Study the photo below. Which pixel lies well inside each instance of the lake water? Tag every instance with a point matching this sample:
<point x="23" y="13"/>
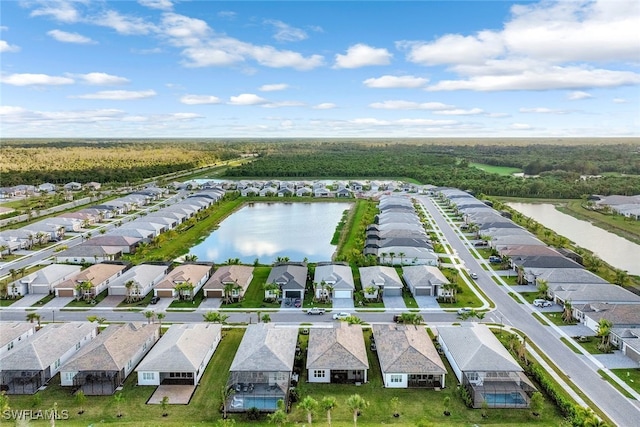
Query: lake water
<point x="614" y="250"/>
<point x="270" y="230"/>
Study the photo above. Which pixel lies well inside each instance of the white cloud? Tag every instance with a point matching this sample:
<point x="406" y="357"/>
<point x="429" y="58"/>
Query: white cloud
<point x="386" y="82"/>
<point x="273" y="87"/>
<point x="247" y="99"/>
<point x="285" y="32"/>
<point x="280" y="104"/>
<point x="425" y="122"/>
<point x="369" y="121"/>
<point x="410" y="105"/>
<point x="361" y="55"/>
<point x="181" y="116"/>
<point x="578" y="94"/>
<point x="59" y="10"/>
<point x="556" y="77"/>
<point x="6" y="47"/>
<point x="35" y="79"/>
<point x="150" y="51"/>
<point x="118" y="95"/>
<point x="542" y="110"/>
<point x="454" y="49"/>
<point x="4" y="28"/>
<point x="101" y="79"/>
<point x="325" y="106"/>
<point x="122" y="24"/>
<point x="184" y="31"/>
<point x="65" y="37"/>
<point x="520" y="126"/>
<point x="157" y="4"/>
<point x="619" y="101"/>
<point x="19" y="115"/>
<point x="199" y="99"/>
<point x="460" y="112"/>
<point x="225" y="51"/>
<point x="227" y="14"/>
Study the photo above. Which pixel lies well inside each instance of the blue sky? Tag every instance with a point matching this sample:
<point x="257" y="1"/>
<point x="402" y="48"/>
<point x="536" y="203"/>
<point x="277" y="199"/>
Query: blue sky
<point x="163" y="68"/>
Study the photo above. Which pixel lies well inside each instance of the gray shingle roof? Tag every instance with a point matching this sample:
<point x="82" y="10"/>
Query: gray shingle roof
<point x="423" y="276"/>
<point x="475" y="348"/>
<point x="266" y="348"/>
<point x="289" y="276"/>
<point x="338" y="275"/>
<point x="379" y="275"/>
<point x="341" y="347"/>
<point x="12" y="330"/>
<point x="406" y="349"/>
<point x="112" y="349"/>
<point x="182" y="348"/>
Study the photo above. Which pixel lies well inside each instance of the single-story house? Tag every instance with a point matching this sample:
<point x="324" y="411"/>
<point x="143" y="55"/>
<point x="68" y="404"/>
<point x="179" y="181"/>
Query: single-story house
<point x="44" y="280"/>
<point x="194" y="274"/>
<point x="620" y="315"/>
<point x="234" y="278"/>
<point x="103" y="365"/>
<point x="181" y="356"/>
<point x="333" y="281"/>
<point x="408" y="358"/>
<point x="87" y="254"/>
<point x="584" y="293"/>
<point x="380" y="278"/>
<point x="47" y="187"/>
<point x="14" y="333"/>
<point x="33" y="363"/>
<point x="262" y="369"/>
<point x="628" y="341"/>
<point x="141" y="279"/>
<point x="123" y="244"/>
<point x="98" y="276"/>
<point x="337" y="355"/>
<point x="484" y="367"/>
<point x="291" y="280"/>
<point x="73" y="186"/>
<point x="424" y="280"/>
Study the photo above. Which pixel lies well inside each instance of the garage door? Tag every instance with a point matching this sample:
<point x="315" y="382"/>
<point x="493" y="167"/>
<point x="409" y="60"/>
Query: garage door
<point x="213" y="293"/>
<point x="422" y="291"/>
<point x="342" y="294"/>
<point x="396" y="292"/>
<point x="65" y="292"/>
<point x="167" y="293"/>
<point x="292" y="294"/>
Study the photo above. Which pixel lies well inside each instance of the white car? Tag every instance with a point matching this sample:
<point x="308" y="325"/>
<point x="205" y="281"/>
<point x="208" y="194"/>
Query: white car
<point x="542" y="303"/>
<point x="341" y="316"/>
<point x="464" y="310"/>
<point x="473" y="275"/>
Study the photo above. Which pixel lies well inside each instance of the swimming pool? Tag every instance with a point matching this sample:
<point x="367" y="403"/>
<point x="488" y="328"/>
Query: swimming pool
<point x="247" y="402"/>
<point x="498" y="399"/>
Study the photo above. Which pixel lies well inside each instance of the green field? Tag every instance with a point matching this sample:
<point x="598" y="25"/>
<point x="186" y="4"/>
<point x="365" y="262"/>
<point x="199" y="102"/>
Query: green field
<point x="499" y="170"/>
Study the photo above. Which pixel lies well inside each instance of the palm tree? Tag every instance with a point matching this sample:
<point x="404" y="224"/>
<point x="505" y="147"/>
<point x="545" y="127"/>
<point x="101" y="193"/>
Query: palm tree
<point x="411" y="318"/>
<point x="567" y="312"/>
<point x="383" y="256"/>
<point x="621" y="277"/>
<point x="543" y="288"/>
<point x="273" y="290"/>
<point x="603" y="331"/>
<point x="149" y="315"/>
<point x="2" y="249"/>
<point x="266" y="318"/>
<point x="356" y="403"/>
<point x="401" y="255"/>
<point x="185" y="290"/>
<point x="160" y="316"/>
<point x="225" y="393"/>
<point x="34" y="316"/>
<point x="128" y="286"/>
<point x="328" y="403"/>
<point x="279" y="417"/>
<point x="80" y="399"/>
<point x="190" y="258"/>
<point x="309" y="404"/>
<point x="215" y="317"/>
<point x="164" y="404"/>
<point x="119" y="398"/>
<point x="391" y="255"/>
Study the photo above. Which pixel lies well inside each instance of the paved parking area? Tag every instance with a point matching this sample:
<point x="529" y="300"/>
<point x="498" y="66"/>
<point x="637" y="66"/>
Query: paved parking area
<point x="111" y="301"/>
<point x="58" y="302"/>
<point x="28" y="300"/>
<point x="161" y="305"/>
<point x="616" y="360"/>
<point x="393" y="301"/>
<point x="177" y="394"/>
<point x="340" y="303"/>
<point x="425" y="301"/>
<point x="577" y="330"/>
<point x="211" y="303"/>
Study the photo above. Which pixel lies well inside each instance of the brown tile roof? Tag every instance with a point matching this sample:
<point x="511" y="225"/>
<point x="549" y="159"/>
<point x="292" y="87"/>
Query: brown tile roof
<point x="341" y="347"/>
<point x="406" y="349"/>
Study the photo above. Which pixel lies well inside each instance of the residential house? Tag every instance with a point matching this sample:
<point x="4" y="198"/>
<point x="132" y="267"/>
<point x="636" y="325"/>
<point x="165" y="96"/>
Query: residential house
<point x="47" y="187"/>
<point x="620" y="315"/>
<point x="584" y="293"/>
<point x="628" y="341"/>
<point x="87" y="254"/>
<point x="194" y="274"/>
<point x="33" y="363"/>
<point x="181" y="356"/>
<point x="484" y="367"/>
<point x="14" y="333"/>
<point x="97" y="278"/>
<point x="337" y="355"/>
<point x="121" y="244"/>
<point x="92" y="185"/>
<point x="262" y="369"/>
<point x="408" y="358"/>
<point x="44" y="280"/>
<point x="333" y="281"/>
<point x="234" y="278"/>
<point x="138" y="281"/>
<point x="380" y="278"/>
<point x="73" y="186"/>
<point x="424" y="280"/>
<point x="291" y="280"/>
<point x="103" y="365"/>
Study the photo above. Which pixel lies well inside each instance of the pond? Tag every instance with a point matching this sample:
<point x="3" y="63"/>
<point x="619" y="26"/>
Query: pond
<point x="267" y="231"/>
<point x="614" y="250"/>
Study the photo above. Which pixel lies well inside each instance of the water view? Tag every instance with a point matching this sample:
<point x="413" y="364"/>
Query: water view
<point x="613" y="249"/>
<point x="270" y="230"/>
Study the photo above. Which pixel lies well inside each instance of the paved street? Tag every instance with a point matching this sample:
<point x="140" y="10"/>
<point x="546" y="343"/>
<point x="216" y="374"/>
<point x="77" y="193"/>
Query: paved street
<point x="582" y="371"/>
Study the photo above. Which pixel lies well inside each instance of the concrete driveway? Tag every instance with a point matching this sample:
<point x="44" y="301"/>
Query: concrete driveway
<point x="111" y="301"/>
<point x="340" y="303"/>
<point x="161" y="305"/>
<point x="28" y="300"/>
<point x="211" y="303"/>
<point x="393" y="301"/>
<point x="58" y="302"/>
<point x="425" y="301"/>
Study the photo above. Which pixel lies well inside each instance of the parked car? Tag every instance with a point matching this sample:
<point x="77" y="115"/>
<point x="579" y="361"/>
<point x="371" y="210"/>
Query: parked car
<point x="154" y="300"/>
<point x="473" y="275"/>
<point x="297" y="303"/>
<point x="315" y="310"/>
<point x="481" y="243"/>
<point x="341" y="316"/>
<point x="542" y="303"/>
<point x="495" y="259"/>
<point x="464" y="310"/>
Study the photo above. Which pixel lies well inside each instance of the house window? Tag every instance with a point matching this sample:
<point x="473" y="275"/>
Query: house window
<point x="472" y="376"/>
<point x="396" y="378"/>
<point x="318" y="373"/>
<point x="148" y="376"/>
<point x="68" y="376"/>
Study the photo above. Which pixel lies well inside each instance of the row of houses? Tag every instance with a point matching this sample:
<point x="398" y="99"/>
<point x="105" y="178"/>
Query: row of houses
<point x="398" y="235"/>
<point x="628" y="206"/>
<point x="559" y="271"/>
<point x="47" y="187"/>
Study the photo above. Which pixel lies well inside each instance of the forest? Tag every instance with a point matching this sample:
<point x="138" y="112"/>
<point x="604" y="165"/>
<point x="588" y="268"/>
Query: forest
<point x="558" y="165"/>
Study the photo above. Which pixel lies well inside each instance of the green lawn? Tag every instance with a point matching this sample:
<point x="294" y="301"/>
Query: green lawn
<point x="143" y="303"/>
<point x="500" y="170"/>
<point x="630" y="376"/>
<point x="87" y="304"/>
<point x="556" y="319"/>
<point x="254" y="295"/>
<point x="8" y="302"/>
<point x="590" y="344"/>
<point x="44" y="300"/>
<point x="194" y="303"/>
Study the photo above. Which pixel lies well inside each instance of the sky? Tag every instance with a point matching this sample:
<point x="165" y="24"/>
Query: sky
<point x="348" y="69"/>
